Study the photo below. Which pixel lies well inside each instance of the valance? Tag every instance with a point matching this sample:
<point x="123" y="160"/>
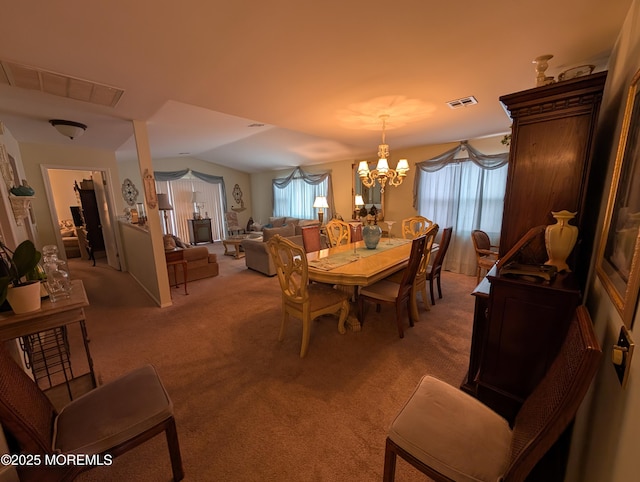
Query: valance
<point x="485" y="161"/>
<point x="309" y="178"/>
<point x="175" y="175"/>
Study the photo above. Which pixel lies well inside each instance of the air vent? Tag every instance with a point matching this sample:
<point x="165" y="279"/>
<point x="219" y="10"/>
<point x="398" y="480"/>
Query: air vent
<point x="256" y="124"/>
<point x="17" y="75"/>
<point x="464" y="102"/>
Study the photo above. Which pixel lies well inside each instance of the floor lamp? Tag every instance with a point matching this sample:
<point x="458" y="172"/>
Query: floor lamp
<point x="164" y="206"/>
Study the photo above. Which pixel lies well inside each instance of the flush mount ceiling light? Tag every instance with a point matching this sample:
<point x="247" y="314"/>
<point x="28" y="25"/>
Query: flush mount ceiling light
<point x="382" y="172"/>
<point x="67" y="128"/>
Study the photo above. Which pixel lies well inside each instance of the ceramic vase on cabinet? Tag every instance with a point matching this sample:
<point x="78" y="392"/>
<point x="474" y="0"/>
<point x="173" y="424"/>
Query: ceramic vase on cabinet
<point x="559" y="239"/>
<point x="371" y="234"/>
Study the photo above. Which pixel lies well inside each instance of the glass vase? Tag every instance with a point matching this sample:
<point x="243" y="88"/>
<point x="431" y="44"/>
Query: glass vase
<point x="371" y="234"/>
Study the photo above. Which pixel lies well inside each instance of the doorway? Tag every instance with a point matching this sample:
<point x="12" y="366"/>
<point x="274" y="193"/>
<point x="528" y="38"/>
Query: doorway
<point x="64" y="200"/>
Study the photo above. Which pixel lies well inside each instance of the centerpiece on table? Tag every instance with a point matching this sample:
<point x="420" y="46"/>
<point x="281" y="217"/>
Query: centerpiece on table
<point x="371" y="232"/>
<point x="19" y="277"/>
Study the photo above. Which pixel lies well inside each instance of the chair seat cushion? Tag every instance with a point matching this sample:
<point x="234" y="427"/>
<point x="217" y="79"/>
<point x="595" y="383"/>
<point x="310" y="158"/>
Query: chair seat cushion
<point x="384" y="290"/>
<point x="113" y="413"/>
<point x="323" y="295"/>
<point x="453" y="433"/>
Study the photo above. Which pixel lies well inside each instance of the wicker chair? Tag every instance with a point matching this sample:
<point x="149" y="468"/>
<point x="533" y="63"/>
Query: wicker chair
<point x="450" y="435"/>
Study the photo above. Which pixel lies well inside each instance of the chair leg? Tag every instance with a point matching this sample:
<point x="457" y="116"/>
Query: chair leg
<point x="283" y="324"/>
<point x="389" y="474"/>
<point x="174" y="450"/>
<point x="439" y="289"/>
<point x="433" y="300"/>
<point x="306" y="335"/>
<point x="425" y="300"/>
<point x="399" y="318"/>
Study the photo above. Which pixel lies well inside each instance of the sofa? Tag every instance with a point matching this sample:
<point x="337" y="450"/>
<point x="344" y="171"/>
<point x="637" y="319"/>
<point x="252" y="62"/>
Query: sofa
<point x="70" y="239"/>
<point x="200" y="262"/>
<point x="257" y="256"/>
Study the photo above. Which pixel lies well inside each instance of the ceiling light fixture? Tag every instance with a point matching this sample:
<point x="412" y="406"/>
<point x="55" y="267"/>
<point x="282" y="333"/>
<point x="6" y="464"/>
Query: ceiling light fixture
<point x="67" y="128"/>
<point x="382" y="172"/>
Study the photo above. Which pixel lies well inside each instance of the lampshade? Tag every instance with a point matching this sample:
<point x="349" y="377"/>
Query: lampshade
<point x="197" y="197"/>
<point x="403" y="167"/>
<point x="320" y="202"/>
<point x="67" y="128"/>
<point x="383" y="166"/>
<point x="163" y="203"/>
<point x="359" y="201"/>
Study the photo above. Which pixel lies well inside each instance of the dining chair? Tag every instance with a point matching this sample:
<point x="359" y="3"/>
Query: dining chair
<point x="449" y="435"/>
<point x="420" y="280"/>
<point x="311" y="238"/>
<point x="415" y="226"/>
<point x="486" y="257"/>
<point x="338" y="232"/>
<point x="435" y="269"/>
<point x="390" y="292"/>
<point x="301" y="299"/>
<point x="104" y="422"/>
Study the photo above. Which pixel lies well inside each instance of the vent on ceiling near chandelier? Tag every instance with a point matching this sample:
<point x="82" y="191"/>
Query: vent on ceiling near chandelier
<point x="31" y="78"/>
<point x="256" y="124"/>
<point x="464" y="102"/>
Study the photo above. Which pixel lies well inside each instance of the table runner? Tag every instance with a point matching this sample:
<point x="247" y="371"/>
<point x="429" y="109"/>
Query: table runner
<point x="340" y="259"/>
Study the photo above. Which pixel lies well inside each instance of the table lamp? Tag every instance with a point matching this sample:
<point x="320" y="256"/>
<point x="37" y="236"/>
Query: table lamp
<point x="164" y="206"/>
<point x="320" y="203"/>
<point x="198" y="199"/>
<point x="359" y="203"/>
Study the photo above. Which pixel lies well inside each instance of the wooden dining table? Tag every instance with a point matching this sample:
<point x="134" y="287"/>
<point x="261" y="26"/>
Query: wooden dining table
<point x="342" y="266"/>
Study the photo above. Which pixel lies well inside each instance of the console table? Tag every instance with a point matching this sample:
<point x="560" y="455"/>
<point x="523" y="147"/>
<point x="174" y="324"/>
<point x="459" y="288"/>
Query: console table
<point x="54" y="316"/>
<point x="200" y="231"/>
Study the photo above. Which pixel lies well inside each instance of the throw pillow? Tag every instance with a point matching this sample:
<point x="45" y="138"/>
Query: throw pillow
<point x="169" y="242"/>
<point x="276" y="222"/>
<point x="179" y="242"/>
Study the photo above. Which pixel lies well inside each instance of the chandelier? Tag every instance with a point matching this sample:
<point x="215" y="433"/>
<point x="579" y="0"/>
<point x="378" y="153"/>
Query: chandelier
<point x="382" y="172"/>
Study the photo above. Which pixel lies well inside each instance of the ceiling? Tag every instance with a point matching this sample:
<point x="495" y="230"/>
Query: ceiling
<point x="258" y="86"/>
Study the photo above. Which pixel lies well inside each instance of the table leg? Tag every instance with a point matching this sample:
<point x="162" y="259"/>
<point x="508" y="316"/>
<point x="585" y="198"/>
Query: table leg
<point x="352" y="322"/>
<point x="184" y="272"/>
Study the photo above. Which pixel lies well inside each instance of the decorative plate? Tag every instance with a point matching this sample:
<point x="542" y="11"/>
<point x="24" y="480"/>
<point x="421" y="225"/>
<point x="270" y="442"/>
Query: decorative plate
<point x="129" y="192"/>
<point x="576" y="72"/>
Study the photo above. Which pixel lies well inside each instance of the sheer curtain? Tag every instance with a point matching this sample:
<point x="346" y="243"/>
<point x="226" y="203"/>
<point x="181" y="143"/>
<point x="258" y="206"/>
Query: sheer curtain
<point x="466" y="193"/>
<point x="294" y="195"/>
<point x="180" y="186"/>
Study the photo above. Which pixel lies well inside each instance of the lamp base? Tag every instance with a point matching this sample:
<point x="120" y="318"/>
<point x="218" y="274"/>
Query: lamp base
<point x="321" y="217"/>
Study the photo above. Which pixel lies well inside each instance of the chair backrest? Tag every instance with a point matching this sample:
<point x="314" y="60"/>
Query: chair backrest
<point x="292" y="269"/>
<point x="552" y="405"/>
<point x="438" y="259"/>
<point x="311" y="238"/>
<point x="338" y="232"/>
<point x="430" y="236"/>
<point x="415" y="226"/>
<point x="231" y="218"/>
<point x="480" y="240"/>
<point x="356" y="232"/>
<point x="417" y="250"/>
<point x="26" y="413"/>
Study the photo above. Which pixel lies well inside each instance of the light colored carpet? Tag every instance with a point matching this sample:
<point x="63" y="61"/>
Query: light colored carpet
<point x="248" y="408"/>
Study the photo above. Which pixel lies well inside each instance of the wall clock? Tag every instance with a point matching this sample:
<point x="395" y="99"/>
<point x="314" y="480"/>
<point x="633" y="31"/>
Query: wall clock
<point x="129" y="192"/>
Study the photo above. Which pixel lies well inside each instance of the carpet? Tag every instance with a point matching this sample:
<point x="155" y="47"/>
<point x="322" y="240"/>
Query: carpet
<point x="248" y="408"/>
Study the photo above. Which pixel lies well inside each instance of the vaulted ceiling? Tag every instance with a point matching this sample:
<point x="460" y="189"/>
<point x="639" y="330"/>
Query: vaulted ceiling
<point x="258" y="85"/>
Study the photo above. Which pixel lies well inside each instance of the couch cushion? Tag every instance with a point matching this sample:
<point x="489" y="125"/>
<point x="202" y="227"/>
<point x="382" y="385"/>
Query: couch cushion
<point x="284" y="231"/>
<point x="277" y="222"/>
<point x="169" y="243"/>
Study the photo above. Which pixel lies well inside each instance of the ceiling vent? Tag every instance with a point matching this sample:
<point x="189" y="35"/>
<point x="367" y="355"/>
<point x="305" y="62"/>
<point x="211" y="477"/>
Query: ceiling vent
<point x="17" y="75"/>
<point x="464" y="102"/>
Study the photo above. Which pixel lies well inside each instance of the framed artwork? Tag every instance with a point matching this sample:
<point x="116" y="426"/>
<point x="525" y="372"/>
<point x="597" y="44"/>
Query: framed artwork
<point x="618" y="263"/>
<point x="150" y="189"/>
<point x="5" y="168"/>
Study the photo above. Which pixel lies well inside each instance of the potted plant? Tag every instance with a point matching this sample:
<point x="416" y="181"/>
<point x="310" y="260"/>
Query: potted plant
<point x="19" y="283"/>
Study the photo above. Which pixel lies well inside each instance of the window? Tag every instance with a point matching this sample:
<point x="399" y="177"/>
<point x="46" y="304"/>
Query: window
<point x="294" y="195"/>
<point x="465" y="195"/>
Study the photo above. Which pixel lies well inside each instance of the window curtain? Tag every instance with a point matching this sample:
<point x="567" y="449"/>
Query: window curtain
<point x="180" y="186"/>
<point x="465" y="189"/>
<point x="293" y="196"/>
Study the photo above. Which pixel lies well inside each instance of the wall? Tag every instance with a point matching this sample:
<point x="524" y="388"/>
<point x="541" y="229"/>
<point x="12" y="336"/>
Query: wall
<point x="398" y="200"/>
<point x="34" y="156"/>
<point x="64" y="196"/>
<point x="605" y="443"/>
<point x="231" y="178"/>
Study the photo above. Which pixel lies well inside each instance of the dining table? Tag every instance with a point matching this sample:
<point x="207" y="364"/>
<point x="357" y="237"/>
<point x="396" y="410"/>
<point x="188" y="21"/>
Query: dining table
<point x="350" y="266"/>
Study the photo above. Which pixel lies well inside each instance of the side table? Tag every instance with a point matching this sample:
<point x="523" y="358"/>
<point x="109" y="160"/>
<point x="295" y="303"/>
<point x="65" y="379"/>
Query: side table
<point x="175" y="257"/>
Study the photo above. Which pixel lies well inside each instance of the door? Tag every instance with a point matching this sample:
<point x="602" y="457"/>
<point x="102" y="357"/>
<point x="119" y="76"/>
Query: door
<point x="108" y="228"/>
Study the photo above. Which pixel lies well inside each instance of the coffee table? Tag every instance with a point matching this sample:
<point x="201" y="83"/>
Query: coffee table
<point x="236" y="241"/>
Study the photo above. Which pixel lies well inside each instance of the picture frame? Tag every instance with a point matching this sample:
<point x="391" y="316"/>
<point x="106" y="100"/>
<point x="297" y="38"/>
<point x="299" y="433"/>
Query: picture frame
<point x="618" y="261"/>
<point x="150" y="189"/>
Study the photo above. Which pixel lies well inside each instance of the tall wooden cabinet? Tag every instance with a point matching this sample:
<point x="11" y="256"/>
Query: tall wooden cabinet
<point x="91" y="218"/>
<point x="550" y="162"/>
